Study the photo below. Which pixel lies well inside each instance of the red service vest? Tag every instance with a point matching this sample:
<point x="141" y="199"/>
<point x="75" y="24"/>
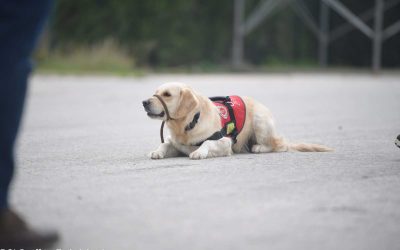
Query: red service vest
<point x="233" y="125"/>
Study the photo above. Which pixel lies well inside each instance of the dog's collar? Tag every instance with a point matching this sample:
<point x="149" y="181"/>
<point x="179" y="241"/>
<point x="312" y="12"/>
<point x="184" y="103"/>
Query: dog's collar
<point x="193" y="123"/>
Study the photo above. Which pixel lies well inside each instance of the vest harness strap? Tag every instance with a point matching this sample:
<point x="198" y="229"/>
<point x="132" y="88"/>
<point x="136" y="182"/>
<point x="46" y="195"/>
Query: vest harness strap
<point x="232" y="111"/>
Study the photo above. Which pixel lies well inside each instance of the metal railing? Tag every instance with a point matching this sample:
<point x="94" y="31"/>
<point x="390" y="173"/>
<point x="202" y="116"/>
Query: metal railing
<point x="242" y="25"/>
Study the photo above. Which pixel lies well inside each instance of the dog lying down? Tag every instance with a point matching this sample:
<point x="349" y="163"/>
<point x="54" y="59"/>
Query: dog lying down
<point x="204" y="128"/>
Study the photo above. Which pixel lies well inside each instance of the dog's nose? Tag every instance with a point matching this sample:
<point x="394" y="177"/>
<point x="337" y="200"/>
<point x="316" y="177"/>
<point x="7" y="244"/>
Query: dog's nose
<point x="146" y="103"/>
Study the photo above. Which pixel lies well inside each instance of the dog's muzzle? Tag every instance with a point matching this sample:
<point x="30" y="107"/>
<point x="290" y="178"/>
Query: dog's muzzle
<point x="147" y="108"/>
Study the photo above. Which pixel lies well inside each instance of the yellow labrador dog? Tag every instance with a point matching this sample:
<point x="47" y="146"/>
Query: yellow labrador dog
<point x="196" y="129"/>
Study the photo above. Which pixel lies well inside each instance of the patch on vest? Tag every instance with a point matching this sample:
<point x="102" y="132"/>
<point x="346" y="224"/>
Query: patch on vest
<point x="230" y="127"/>
<point x="223" y="111"/>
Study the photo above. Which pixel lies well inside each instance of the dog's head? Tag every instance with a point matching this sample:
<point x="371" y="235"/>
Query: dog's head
<point x="179" y="99"/>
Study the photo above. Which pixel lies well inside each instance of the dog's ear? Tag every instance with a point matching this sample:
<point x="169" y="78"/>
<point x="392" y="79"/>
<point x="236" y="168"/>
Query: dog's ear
<point x="188" y="101"/>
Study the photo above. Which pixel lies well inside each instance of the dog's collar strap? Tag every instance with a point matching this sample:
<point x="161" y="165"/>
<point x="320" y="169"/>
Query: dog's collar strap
<point x="165" y="107"/>
<point x="193" y="123"/>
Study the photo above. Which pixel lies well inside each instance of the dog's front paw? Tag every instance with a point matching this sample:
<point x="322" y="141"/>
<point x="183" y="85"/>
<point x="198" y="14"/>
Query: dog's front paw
<point x="157" y="155"/>
<point x="198" y="155"/>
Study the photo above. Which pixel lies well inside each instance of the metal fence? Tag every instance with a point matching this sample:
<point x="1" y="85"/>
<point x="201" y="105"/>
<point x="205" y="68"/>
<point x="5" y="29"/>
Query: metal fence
<point x="320" y="27"/>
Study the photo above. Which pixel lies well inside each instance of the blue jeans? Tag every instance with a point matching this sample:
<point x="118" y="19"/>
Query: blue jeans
<point x="21" y="22"/>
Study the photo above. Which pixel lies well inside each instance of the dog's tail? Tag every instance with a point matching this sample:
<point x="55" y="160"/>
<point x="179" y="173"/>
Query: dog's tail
<point x="308" y="147"/>
<point x="279" y="144"/>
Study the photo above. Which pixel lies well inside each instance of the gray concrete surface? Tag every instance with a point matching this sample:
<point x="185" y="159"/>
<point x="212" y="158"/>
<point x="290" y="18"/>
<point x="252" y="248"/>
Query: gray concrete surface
<point x="83" y="167"/>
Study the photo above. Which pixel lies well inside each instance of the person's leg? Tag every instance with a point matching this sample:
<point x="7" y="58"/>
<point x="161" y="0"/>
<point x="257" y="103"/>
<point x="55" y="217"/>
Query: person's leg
<point x="20" y="24"/>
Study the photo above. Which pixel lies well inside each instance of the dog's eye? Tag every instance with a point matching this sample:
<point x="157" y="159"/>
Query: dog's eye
<point x="166" y="94"/>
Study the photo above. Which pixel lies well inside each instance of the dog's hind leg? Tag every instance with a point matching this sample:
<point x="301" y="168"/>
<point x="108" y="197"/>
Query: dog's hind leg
<point x="266" y="138"/>
<point x="258" y="148"/>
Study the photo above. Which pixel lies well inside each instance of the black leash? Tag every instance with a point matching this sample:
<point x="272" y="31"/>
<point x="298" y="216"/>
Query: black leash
<point x="168" y="117"/>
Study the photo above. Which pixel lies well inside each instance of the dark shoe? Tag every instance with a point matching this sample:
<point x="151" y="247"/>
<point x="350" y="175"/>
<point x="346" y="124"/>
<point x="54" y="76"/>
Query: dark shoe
<point x="397" y="141"/>
<point x="15" y="234"/>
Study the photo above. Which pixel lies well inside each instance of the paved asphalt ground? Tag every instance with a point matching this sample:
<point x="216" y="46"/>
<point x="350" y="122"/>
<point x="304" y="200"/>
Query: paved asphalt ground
<point x="83" y="167"/>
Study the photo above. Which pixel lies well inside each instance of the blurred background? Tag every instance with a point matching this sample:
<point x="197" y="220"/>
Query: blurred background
<point x="131" y="36"/>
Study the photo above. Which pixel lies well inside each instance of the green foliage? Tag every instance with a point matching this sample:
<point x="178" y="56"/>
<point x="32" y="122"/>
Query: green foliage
<point x="198" y="34"/>
<point x="105" y="57"/>
<point x="155" y="32"/>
